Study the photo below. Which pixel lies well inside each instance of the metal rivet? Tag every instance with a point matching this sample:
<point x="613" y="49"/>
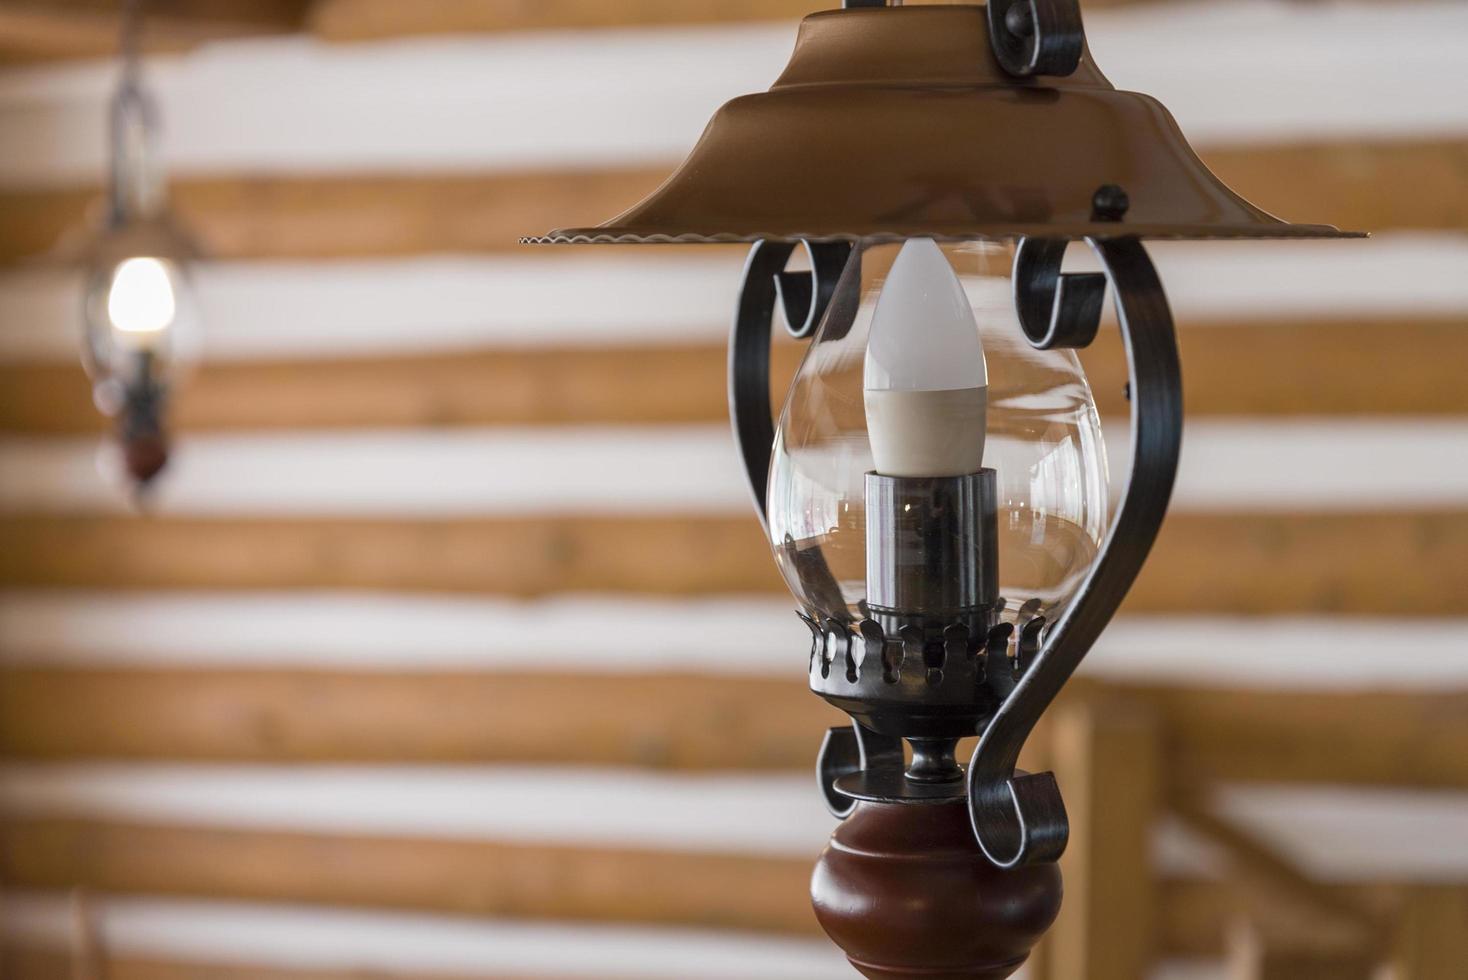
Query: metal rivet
<point x="1020" y="20"/>
<point x="1109" y="203"/>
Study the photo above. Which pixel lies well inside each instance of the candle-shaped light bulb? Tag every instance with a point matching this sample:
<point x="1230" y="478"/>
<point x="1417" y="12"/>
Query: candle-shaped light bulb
<point x="926" y="383"/>
<point x="141" y="301"/>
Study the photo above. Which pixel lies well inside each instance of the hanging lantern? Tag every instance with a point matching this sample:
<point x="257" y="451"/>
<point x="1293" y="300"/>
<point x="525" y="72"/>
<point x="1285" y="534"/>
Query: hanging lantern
<point x="139" y="310"/>
<point x="935" y="492"/>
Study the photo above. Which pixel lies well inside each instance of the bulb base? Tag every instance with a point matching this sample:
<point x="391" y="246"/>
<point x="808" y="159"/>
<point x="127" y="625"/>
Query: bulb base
<point x="932" y="547"/>
<point x="931" y="659"/>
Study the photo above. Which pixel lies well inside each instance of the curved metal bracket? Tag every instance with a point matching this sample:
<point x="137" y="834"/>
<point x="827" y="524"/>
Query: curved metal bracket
<point x="848" y="749"/>
<point x="1056" y="309"/>
<point x="805" y="298"/>
<point x="1019" y="818"/>
<point x="1037" y="37"/>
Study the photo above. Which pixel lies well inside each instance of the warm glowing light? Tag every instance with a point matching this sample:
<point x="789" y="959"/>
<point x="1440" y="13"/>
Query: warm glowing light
<point x="141" y="299"/>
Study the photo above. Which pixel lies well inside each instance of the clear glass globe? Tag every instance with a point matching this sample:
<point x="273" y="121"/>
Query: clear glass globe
<point x="1043" y="441"/>
<point x="140" y="311"/>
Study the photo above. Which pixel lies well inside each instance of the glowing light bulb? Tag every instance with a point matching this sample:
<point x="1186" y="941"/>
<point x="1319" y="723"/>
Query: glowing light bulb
<point x="141" y="303"/>
<point x="926" y="383"/>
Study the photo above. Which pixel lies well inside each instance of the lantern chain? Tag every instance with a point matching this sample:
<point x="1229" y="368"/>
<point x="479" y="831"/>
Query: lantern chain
<point x="135" y="186"/>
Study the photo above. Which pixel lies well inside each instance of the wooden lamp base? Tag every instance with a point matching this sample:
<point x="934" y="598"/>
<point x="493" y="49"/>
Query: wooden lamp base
<point x="905" y="891"/>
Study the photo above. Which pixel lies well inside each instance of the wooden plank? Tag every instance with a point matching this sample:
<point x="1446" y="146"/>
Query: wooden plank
<point x="519" y="557"/>
<point x="1373" y="186"/>
<point x="480" y="878"/>
<point x="1106" y="752"/>
<point x="1293" y="918"/>
<point x="312" y="217"/>
<point x="1249" y="369"/>
<point x="663" y="720"/>
<point x="21" y="962"/>
<point x="39" y="30"/>
<point x="658" y="720"/>
<point x="1195" y="916"/>
<point x="1204" y="562"/>
<point x="1431" y="934"/>
<point x="1262" y="951"/>
<point x="506" y="387"/>
<point x="1415" y="739"/>
<point x="491" y="879"/>
<point x="1364" y="563"/>
<point x="471" y="878"/>
<point x="1281" y="367"/>
<point x="1332" y="182"/>
<point x="357" y="20"/>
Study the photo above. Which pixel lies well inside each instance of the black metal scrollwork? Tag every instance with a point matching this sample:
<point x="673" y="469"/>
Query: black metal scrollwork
<point x="1029" y="37"/>
<point x="1017" y="818"/>
<point x="1036" y="37"/>
<point x="1056" y="309"/>
<point x="804" y="298"/>
<point x="848" y="749"/>
<point x="1020" y="818"/>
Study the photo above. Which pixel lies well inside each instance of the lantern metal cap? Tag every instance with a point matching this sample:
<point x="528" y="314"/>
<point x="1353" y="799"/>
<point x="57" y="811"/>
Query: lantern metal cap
<point x="898" y="122"/>
<point x="160" y="235"/>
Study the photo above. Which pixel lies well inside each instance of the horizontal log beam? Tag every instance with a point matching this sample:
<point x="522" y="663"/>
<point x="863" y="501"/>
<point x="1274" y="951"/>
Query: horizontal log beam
<point x="1417" y="739"/>
<point x="1284" y="367"/>
<point x="661" y="720"/>
<point x="498" y="880"/>
<point x="41" y="30"/>
<point x="311" y="217"/>
<point x="361" y="20"/>
<point x="1331" y="181"/>
<point x="23" y="962"/>
<point x="506" y="387"/>
<point x="520" y="557"/>
<point x="479" y="878"/>
<point x="1246" y="369"/>
<point x="1364" y="185"/>
<point x="1317" y="562"/>
<point x="1204" y="562"/>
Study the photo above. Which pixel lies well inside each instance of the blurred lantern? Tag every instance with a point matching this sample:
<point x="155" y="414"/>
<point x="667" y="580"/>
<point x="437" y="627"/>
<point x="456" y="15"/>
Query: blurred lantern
<point x="139" y="310"/>
<point x="935" y="491"/>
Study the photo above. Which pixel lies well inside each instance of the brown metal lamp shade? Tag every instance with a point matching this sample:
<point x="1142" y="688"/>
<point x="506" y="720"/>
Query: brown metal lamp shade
<point x="899" y="122"/>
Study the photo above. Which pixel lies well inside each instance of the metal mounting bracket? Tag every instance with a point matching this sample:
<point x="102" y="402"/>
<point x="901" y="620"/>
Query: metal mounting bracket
<point x="1020" y="818"/>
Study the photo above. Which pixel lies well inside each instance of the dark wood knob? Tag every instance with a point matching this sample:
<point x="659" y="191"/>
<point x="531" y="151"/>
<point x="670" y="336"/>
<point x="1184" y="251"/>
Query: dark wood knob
<point x="906" y="893"/>
<point x="144" y="456"/>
